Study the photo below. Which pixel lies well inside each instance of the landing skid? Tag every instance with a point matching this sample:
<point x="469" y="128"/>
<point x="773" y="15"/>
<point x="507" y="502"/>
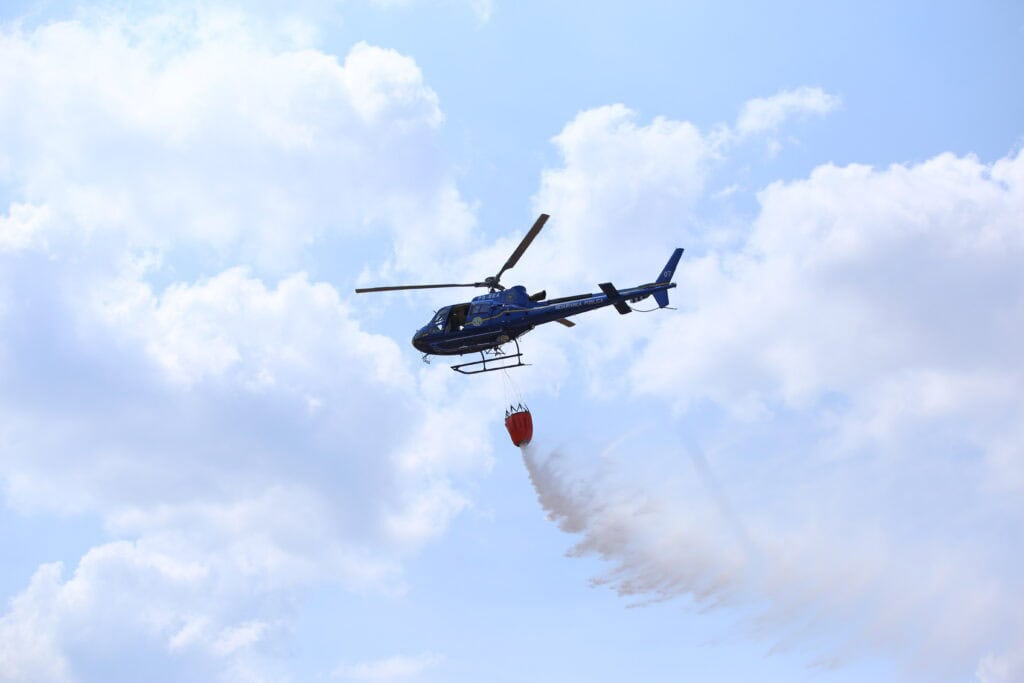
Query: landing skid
<point x="498" y="361"/>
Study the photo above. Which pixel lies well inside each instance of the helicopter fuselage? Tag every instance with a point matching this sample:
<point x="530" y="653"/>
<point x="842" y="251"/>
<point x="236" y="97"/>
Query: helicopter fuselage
<point x="493" y="319"/>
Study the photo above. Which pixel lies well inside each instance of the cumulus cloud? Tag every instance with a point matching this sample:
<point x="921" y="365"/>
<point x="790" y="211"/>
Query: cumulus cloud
<point x="122" y="595"/>
<point x="620" y="181"/>
<point x="482" y="9"/>
<point x="766" y="114"/>
<point x="395" y="668"/>
<point x="625" y="193"/>
<point x="852" y="369"/>
<point x="23" y="227"/>
<point x="211" y="415"/>
<point x="253" y="151"/>
<point x="224" y="434"/>
<point x="624" y="186"/>
<point x="1001" y="668"/>
<point x="895" y="288"/>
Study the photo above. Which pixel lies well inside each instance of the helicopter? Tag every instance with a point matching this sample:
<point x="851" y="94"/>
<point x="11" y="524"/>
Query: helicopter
<point x="488" y="322"/>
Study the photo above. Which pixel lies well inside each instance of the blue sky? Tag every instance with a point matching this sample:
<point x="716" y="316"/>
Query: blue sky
<point x="218" y="463"/>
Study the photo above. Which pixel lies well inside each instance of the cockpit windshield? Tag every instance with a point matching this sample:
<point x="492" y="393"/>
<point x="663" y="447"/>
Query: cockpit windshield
<point x="437" y="323"/>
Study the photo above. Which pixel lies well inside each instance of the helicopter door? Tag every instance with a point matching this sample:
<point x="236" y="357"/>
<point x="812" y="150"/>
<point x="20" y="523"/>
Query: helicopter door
<point x="457" y="318"/>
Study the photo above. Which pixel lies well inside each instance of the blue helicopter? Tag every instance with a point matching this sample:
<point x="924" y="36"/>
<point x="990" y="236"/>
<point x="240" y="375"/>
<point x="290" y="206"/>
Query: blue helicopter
<point x="491" y="320"/>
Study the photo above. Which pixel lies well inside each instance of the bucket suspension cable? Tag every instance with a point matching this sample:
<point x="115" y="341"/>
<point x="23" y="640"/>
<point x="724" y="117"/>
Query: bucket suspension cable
<point x="518" y="420"/>
<point x="513" y="397"/>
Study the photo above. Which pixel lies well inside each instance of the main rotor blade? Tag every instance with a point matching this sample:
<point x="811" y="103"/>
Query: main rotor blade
<point x="514" y="258"/>
<point x="367" y="290"/>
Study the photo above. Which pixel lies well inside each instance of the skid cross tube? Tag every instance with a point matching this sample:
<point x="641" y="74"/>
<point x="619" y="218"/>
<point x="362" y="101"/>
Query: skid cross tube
<point x="500" y="361"/>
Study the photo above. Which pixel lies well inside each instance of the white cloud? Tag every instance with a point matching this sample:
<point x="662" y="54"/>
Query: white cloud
<point x="29" y="650"/>
<point x="395" y="668"/>
<point x="626" y="193"/>
<point x="215" y="425"/>
<point x="482" y="9"/>
<point x="1004" y="668"/>
<point x="767" y="114"/>
<point x="623" y="195"/>
<point x="193" y="132"/>
<point x="22" y="227"/>
<point x="129" y="597"/>
<point x="854" y="371"/>
<point x="232" y="323"/>
<point x="230" y="488"/>
<point x="620" y="184"/>
<point x="895" y="288"/>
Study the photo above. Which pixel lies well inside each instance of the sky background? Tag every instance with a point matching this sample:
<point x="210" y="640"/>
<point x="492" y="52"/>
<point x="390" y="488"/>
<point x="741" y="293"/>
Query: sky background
<point x="219" y="464"/>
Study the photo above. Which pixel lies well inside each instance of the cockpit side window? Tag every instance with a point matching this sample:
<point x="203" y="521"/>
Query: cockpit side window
<point x="457" y="318"/>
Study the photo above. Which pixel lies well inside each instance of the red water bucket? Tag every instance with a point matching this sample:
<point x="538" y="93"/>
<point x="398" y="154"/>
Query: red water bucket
<point x="519" y="424"/>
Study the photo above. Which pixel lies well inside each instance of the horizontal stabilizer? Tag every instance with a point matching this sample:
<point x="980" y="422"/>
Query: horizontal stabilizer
<point x="615" y="298"/>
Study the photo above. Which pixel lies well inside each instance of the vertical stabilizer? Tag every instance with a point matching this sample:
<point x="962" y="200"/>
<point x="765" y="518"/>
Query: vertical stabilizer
<point x="666" y="276"/>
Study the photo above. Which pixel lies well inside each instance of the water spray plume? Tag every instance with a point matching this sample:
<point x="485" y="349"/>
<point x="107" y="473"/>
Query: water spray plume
<point x="817" y="584"/>
<point x="560" y="507"/>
